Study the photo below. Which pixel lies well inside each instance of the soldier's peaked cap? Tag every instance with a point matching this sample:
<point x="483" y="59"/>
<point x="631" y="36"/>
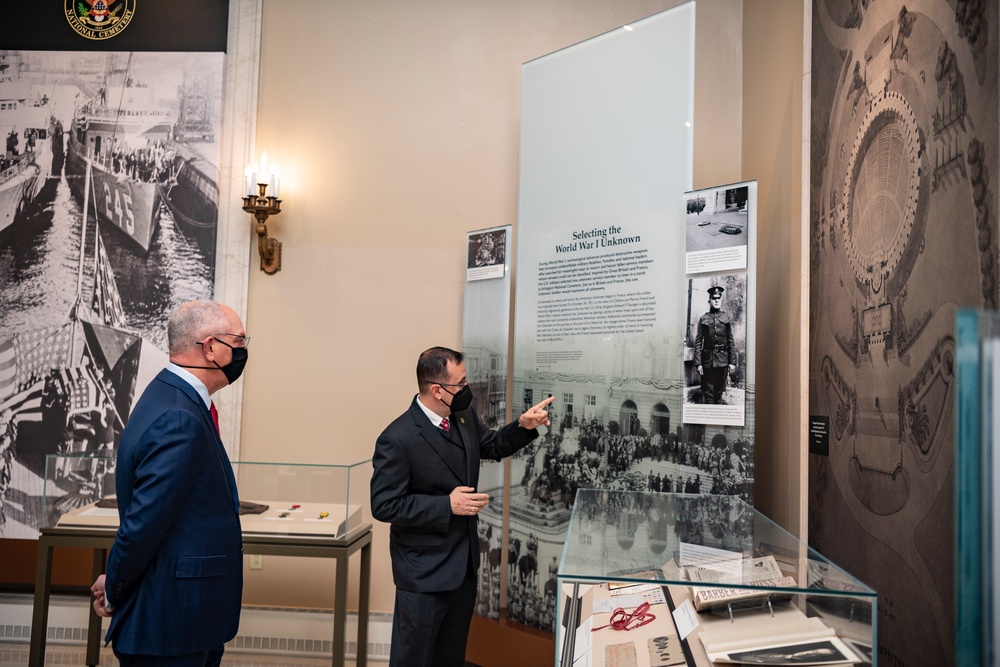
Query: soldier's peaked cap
<point x="715" y="291"/>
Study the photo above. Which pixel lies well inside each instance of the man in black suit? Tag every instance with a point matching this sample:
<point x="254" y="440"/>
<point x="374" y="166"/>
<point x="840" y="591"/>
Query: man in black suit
<point x="424" y="484"/>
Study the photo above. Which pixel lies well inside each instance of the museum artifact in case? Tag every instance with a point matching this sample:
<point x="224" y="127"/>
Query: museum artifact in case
<point x="275" y="498"/>
<point x="297" y="510"/>
<point x="665" y="580"/>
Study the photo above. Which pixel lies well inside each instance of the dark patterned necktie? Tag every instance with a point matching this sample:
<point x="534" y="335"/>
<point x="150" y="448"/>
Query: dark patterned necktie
<point x="445" y="425"/>
<point x="215" y="419"/>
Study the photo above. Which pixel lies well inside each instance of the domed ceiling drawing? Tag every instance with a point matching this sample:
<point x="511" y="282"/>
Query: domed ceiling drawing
<point x="903" y="191"/>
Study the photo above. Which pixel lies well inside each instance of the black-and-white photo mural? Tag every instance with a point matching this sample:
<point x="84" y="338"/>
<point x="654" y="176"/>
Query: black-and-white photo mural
<point x="903" y="225"/>
<point x="108" y="218"/>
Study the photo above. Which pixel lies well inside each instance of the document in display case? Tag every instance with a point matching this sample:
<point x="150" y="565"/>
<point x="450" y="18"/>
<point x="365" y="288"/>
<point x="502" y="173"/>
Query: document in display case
<point x="667" y="580"/>
<point x="275" y="498"/>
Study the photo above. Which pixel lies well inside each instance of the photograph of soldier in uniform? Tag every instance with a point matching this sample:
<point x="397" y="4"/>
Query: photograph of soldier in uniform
<point x="715" y="350"/>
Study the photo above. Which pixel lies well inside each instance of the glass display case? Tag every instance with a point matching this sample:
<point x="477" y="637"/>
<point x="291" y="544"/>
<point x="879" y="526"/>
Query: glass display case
<point x="297" y="510"/>
<point x="275" y="498"/>
<point x="977" y="524"/>
<point x="663" y="580"/>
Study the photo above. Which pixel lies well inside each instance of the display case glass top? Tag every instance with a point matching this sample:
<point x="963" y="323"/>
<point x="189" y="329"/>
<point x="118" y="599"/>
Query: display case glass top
<point x="614" y="535"/>
<point x="698" y="580"/>
<point x="275" y="498"/>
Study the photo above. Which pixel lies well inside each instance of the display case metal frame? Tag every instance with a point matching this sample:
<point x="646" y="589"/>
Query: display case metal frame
<point x="273" y="483"/>
<point x="101" y="539"/>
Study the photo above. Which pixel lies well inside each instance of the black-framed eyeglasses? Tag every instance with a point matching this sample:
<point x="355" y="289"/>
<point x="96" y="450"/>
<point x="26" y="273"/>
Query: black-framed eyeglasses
<point x="239" y="340"/>
<point x="463" y="383"/>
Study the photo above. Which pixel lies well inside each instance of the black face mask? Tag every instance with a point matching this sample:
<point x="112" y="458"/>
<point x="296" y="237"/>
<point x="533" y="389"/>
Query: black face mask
<point x="462" y="400"/>
<point x="234" y="369"/>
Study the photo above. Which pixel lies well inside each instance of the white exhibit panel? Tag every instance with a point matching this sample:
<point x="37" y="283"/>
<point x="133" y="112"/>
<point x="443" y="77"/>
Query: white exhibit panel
<point x="485" y="344"/>
<point x="606" y="154"/>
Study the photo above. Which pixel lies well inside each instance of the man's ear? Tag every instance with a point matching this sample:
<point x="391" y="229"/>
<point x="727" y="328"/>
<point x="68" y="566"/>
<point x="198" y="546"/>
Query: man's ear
<point x="208" y="349"/>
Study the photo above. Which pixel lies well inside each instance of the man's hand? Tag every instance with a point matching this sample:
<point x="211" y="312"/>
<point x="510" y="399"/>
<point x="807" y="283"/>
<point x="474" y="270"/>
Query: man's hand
<point x="99" y="600"/>
<point x="466" y="502"/>
<point x="536" y="415"/>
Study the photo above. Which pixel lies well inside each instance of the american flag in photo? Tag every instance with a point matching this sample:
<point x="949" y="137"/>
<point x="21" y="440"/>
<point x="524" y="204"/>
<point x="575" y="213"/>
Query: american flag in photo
<point x="81" y="386"/>
<point x="25" y="405"/>
<point x="107" y="301"/>
<point x="28" y="356"/>
<point x="39" y="351"/>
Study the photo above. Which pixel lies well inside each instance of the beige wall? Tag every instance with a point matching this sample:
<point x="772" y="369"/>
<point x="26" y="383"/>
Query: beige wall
<point x="772" y="153"/>
<point x="396" y="126"/>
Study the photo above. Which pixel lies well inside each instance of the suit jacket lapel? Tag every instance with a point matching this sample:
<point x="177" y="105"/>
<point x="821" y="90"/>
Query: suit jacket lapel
<point x="471" y="462"/>
<point x="437" y="441"/>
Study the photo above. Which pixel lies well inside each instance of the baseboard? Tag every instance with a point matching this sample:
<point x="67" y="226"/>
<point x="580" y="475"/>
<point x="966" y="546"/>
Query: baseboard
<point x="270" y="630"/>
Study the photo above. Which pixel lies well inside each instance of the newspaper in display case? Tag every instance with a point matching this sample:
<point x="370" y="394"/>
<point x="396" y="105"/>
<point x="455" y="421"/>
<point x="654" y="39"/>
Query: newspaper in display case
<point x="705" y="599"/>
<point x="759" y="572"/>
<point x="751" y="570"/>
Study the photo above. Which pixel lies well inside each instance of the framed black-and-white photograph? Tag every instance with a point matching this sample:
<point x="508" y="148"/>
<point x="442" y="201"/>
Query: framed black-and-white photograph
<point x="487" y="254"/>
<point x="825" y="652"/>
<point x="717" y="225"/>
<point x="108" y="222"/>
<point x="715" y="350"/>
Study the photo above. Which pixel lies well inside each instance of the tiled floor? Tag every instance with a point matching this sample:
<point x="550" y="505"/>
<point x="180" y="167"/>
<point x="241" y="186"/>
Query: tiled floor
<point x="17" y="654"/>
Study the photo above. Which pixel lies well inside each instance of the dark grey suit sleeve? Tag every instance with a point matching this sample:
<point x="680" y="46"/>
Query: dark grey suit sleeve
<point x="500" y="444"/>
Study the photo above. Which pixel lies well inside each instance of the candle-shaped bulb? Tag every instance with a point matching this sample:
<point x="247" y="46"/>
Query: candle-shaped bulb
<point x="263" y="175"/>
<point x="248" y="181"/>
<point x="277" y="183"/>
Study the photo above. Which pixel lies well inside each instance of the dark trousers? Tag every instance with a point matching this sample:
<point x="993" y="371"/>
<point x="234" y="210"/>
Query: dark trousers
<point x="432" y="629"/>
<point x="713" y="384"/>
<point x="210" y="658"/>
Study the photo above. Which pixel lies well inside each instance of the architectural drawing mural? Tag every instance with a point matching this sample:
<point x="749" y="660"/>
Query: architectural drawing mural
<point x="903" y="233"/>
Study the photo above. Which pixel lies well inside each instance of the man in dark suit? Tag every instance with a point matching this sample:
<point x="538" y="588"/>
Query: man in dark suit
<point x="426" y="471"/>
<point x="714" y="348"/>
<point x="174" y="578"/>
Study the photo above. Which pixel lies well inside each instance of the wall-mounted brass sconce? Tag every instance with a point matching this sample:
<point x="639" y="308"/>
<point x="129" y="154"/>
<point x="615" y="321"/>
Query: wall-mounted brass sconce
<point x="262" y="206"/>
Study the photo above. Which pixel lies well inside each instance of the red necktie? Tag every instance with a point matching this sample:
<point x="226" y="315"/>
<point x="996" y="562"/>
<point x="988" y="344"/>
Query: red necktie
<point x="215" y="418"/>
<point x="445" y="425"/>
